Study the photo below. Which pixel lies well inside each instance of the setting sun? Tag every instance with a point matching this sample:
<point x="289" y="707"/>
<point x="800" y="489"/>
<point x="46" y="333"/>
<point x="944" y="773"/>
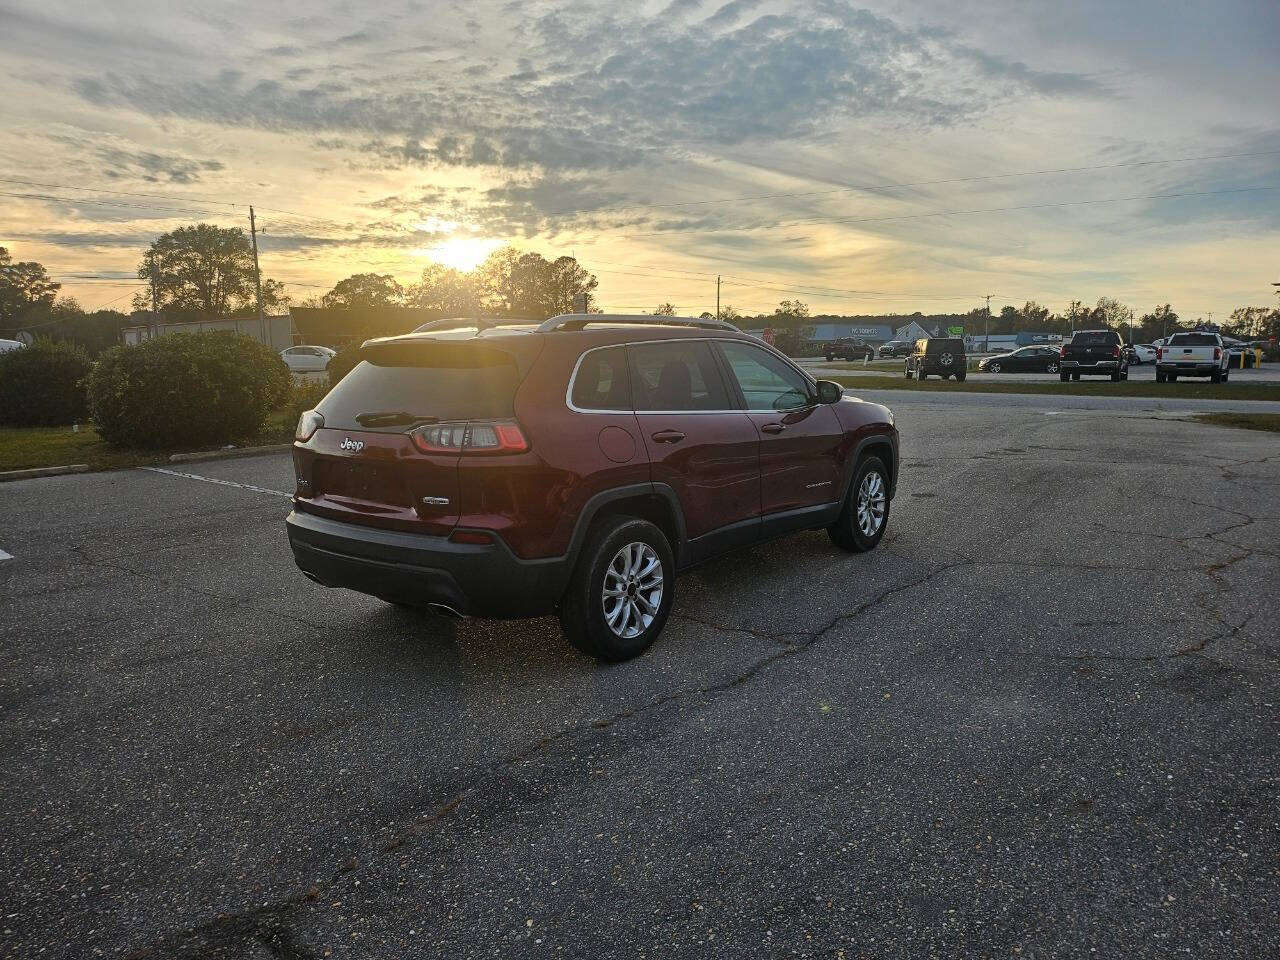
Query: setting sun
<point x="461" y="253"/>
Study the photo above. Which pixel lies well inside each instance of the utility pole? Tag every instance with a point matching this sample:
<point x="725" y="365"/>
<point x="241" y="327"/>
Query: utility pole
<point x="257" y="276"/>
<point x="986" y="336"/>
<point x="717" y="296"/>
<point x="155" y="316"/>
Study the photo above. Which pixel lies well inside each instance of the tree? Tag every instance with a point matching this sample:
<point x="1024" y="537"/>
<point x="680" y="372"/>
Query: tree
<point x="201" y="270"/>
<point x="527" y="284"/>
<point x="1034" y="315"/>
<point x="1159" y="322"/>
<point x="792" y="308"/>
<point x="1253" y="323"/>
<point x="728" y="314"/>
<point x="664" y="310"/>
<point x="1111" y="313"/>
<point x="25" y="288"/>
<point x="364" y="290"/>
<point x="446" y="289"/>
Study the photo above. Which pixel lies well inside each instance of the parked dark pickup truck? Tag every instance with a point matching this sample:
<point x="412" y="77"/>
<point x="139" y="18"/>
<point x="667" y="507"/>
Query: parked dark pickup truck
<point x="848" y="348"/>
<point x="1094" y="353"/>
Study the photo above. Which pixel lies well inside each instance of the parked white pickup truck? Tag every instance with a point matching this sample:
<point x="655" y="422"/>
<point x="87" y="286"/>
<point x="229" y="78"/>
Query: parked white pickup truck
<point x="1197" y="354"/>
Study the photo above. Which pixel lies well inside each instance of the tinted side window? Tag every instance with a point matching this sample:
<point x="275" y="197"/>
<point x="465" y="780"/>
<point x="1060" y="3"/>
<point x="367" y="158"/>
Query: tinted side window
<point x="676" y="375"/>
<point x="767" y="383"/>
<point x="602" y="382"/>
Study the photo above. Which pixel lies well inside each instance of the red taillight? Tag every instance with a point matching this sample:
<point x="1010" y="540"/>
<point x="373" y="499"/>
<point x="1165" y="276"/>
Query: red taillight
<point x="1115" y="351"/>
<point x="1062" y="350"/>
<point x="1159" y="353"/>
<point x="486" y="437"/>
<point x="1217" y="353"/>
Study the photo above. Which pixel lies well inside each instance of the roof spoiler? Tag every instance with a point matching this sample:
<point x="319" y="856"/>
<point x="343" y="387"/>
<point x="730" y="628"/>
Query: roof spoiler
<point x="576" y="321"/>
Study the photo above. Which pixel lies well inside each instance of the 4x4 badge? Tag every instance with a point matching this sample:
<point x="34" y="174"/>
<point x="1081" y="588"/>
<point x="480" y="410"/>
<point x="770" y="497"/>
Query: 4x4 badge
<point x="353" y="445"/>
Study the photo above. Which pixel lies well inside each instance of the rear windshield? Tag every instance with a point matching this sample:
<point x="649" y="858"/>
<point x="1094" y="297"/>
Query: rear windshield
<point x="1096" y="338"/>
<point x="1193" y="340"/>
<point x="431" y="381"/>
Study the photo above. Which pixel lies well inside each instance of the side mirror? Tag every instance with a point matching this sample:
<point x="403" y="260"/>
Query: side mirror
<point x="829" y="391"/>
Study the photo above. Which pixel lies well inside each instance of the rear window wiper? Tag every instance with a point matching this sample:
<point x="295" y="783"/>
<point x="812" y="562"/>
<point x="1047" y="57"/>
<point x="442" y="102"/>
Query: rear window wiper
<point x="393" y="418"/>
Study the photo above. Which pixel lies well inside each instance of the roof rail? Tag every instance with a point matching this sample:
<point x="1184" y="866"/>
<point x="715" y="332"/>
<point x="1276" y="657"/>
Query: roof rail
<point x="480" y="323"/>
<point x="576" y="321"/>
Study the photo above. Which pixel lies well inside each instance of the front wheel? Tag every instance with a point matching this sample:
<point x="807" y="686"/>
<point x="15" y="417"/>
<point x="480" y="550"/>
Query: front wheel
<point x="960" y="377"/>
<point x="621" y="591"/>
<point x="993" y="368"/>
<point x="866" y="510"/>
<point x="1051" y="368"/>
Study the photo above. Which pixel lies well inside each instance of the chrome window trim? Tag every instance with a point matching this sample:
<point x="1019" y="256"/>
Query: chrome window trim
<point x="568" y="393"/>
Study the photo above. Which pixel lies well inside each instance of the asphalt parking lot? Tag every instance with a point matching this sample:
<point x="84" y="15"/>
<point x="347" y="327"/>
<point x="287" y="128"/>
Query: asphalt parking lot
<point x="1042" y="720"/>
<point x="1268" y="373"/>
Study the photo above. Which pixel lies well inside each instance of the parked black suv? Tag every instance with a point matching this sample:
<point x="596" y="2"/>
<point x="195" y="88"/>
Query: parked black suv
<point x="895" y="348"/>
<point x="940" y="356"/>
<point x="848" y="348"/>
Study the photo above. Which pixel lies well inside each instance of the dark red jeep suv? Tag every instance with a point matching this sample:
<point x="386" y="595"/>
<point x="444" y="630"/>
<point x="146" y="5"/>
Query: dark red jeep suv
<point x="576" y="467"/>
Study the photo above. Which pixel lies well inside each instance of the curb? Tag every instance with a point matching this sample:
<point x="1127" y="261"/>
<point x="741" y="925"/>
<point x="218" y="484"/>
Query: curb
<point x="6" y="475"/>
<point x="227" y="454"/>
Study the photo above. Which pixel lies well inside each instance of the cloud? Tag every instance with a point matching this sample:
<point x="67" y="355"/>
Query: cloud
<point x="607" y="90"/>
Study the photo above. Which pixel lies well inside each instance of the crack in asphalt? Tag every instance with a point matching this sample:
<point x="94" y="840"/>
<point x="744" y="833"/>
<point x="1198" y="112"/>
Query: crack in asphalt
<point x="265" y="924"/>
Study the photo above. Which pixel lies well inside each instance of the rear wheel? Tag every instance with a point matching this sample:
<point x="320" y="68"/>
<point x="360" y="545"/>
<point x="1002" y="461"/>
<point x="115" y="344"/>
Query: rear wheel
<point x="866" y="510"/>
<point x="1215" y="377"/>
<point x="1064" y="377"/>
<point x="1173" y="378"/>
<point x="1160" y="377"/>
<point x="1051" y="367"/>
<point x="993" y="368"/>
<point x="1075" y="376"/>
<point x="1226" y="375"/>
<point x="920" y="374"/>
<point x="961" y="376"/>
<point x="621" y="590"/>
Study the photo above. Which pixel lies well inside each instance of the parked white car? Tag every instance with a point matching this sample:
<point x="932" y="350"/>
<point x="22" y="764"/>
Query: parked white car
<point x="306" y="359"/>
<point x="1144" y="352"/>
<point x="7" y="345"/>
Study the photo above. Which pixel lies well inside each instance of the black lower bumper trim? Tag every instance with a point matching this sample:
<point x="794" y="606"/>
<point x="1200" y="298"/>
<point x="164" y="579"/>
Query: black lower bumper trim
<point x="478" y="580"/>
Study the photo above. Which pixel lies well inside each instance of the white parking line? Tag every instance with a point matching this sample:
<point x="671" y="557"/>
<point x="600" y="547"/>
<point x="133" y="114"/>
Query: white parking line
<point x="5" y="556"/>
<point x="225" y="483"/>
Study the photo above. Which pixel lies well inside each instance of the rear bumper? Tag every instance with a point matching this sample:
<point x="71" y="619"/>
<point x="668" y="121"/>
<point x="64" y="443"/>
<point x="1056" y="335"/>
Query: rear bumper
<point x="478" y="580"/>
<point x="1100" y="366"/>
<point x="1190" y="369"/>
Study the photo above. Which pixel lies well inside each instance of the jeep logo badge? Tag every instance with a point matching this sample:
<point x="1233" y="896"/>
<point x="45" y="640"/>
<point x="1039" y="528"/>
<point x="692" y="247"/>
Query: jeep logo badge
<point x="355" y="446"/>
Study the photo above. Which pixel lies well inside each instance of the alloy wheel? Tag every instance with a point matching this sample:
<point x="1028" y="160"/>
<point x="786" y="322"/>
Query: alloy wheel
<point x="871" y="504"/>
<point x="632" y="591"/>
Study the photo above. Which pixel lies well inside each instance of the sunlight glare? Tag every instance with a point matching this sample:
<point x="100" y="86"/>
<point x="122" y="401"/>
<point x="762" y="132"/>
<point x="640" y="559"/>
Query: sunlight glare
<point x="461" y="253"/>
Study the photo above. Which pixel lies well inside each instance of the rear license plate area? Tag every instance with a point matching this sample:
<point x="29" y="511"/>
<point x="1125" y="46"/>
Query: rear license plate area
<point x="358" y="480"/>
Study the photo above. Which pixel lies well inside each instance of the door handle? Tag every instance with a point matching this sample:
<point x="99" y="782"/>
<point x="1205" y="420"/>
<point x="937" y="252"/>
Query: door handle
<point x="772" y="428"/>
<point x="668" y="436"/>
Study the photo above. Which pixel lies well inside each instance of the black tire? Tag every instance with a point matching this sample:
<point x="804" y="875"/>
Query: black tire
<point x="1173" y="378"/>
<point x="1075" y="377"/>
<point x="1051" y="367"/>
<point x="829" y="357"/>
<point x="906" y="373"/>
<point x="993" y="368"/>
<point x="1064" y="377"/>
<point x="847" y="533"/>
<point x="1160" y="377"/>
<point x="1226" y="375"/>
<point x="961" y="376"/>
<point x="1115" y="377"/>
<point x="582" y="611"/>
<point x="920" y="374"/>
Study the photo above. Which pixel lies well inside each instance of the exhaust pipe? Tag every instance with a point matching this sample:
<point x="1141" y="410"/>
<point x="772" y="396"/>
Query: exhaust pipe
<point x="447" y="610"/>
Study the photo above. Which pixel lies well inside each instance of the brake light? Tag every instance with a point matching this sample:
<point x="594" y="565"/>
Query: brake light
<point x="1217" y="353"/>
<point x="1062" y="350"/>
<point x="1115" y="351"/>
<point x="1159" y="353"/>
<point x="487" y="437"/>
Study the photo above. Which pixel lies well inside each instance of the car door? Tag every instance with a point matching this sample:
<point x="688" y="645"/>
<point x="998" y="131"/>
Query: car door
<point x="800" y="439"/>
<point x="699" y="443"/>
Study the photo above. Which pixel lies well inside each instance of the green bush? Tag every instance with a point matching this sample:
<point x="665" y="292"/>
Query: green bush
<point x="44" y="384"/>
<point x="186" y="389"/>
<point x="303" y="397"/>
<point x="343" y="361"/>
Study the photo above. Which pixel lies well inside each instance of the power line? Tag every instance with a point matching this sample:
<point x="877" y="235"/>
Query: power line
<point x="122" y="193"/>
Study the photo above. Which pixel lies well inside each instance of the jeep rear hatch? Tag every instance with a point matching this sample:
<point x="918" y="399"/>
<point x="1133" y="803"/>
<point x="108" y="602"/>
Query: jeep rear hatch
<point x="396" y="426"/>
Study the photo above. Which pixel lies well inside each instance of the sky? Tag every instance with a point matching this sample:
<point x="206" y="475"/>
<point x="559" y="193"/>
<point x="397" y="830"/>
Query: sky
<point x="864" y="158"/>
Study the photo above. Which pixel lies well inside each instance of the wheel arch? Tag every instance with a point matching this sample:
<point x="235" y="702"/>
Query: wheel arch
<point x="655" y="502"/>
